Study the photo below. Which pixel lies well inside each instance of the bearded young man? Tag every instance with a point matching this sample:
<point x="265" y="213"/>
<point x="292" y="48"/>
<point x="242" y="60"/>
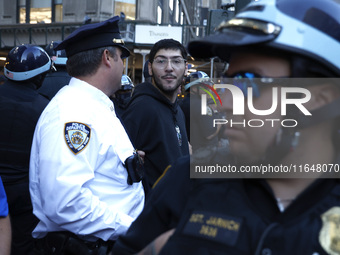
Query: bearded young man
<point x="153" y="118"/>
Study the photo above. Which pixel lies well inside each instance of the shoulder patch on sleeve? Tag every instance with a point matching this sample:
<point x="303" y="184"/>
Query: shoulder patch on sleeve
<point x="77" y="136"/>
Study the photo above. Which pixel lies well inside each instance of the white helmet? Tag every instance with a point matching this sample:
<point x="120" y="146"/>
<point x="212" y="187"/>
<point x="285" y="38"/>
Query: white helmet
<point x="126" y="83"/>
<point x="310" y="28"/>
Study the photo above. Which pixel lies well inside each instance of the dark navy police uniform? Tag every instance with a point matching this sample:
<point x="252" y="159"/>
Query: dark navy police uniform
<point x="235" y="216"/>
<point x="54" y="81"/>
<point x="241" y="217"/>
<point x="20" y="108"/>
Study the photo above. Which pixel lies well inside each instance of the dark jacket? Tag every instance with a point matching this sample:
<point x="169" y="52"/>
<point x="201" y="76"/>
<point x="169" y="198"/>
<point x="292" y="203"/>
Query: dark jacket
<point x="120" y="105"/>
<point x="53" y="82"/>
<point x="156" y="126"/>
<point x="234" y="216"/>
<point x="162" y="209"/>
<point x="241" y="217"/>
<point x="185" y="106"/>
<point x="20" y="109"/>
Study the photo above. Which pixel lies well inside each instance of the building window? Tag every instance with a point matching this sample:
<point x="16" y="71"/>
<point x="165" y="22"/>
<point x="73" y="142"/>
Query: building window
<point x="58" y="10"/>
<point x="22" y="11"/>
<point x="39" y="11"/>
<point x="127" y="7"/>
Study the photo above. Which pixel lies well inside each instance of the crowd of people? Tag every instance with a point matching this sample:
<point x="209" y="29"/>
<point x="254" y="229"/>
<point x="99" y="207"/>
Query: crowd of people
<point x="91" y="163"/>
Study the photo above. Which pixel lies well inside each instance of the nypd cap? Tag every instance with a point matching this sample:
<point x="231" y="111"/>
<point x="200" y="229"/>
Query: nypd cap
<point x="92" y="36"/>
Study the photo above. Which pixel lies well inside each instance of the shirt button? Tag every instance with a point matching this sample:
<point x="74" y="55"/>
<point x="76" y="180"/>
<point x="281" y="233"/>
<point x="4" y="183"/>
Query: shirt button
<point x="266" y="251"/>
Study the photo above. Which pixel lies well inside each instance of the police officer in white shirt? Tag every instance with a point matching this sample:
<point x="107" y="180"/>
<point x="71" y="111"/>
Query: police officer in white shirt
<point x="79" y="183"/>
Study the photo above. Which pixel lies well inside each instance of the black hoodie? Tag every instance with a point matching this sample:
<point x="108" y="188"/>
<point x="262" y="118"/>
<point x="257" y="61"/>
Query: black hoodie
<point x="157" y="127"/>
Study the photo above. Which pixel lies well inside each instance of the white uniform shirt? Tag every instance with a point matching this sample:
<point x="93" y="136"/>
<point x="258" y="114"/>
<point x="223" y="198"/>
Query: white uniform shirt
<point x="78" y="182"/>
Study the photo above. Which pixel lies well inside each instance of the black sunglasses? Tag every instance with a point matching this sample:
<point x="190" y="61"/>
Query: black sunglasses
<point x="245" y="80"/>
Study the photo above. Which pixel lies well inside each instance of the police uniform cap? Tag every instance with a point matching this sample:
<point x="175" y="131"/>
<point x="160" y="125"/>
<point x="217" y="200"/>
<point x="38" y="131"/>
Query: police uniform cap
<point x="93" y="36"/>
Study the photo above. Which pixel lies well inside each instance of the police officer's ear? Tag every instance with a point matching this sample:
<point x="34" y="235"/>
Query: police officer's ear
<point x="322" y="95"/>
<point x="106" y="57"/>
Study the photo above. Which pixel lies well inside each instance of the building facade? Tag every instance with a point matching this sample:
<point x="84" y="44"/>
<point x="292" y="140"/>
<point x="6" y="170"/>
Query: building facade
<point x="42" y="21"/>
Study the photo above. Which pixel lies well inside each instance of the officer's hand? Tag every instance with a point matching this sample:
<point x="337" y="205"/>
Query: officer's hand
<point x="141" y="155"/>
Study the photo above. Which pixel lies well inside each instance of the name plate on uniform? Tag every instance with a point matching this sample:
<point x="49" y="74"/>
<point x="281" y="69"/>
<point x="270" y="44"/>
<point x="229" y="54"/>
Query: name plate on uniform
<point x="217" y="227"/>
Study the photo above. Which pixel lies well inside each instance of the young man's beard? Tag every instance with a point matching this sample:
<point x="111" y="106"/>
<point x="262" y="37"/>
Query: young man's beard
<point x="169" y="92"/>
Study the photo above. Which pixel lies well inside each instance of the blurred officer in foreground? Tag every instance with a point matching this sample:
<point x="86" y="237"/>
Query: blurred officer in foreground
<point x="5" y="224"/>
<point x="153" y="118"/>
<point x="82" y="177"/>
<point x="122" y="96"/>
<point x="58" y="76"/>
<point x="20" y="108"/>
<point x="296" y="214"/>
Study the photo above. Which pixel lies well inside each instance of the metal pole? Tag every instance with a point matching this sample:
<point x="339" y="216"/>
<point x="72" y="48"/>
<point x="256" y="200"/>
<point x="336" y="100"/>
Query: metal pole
<point x="53" y="10"/>
<point x="126" y="66"/>
<point x="188" y="18"/>
<point x="28" y="11"/>
<point x="143" y="79"/>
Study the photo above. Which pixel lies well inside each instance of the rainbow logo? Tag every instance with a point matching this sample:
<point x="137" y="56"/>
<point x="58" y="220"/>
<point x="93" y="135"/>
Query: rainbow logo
<point x="205" y="82"/>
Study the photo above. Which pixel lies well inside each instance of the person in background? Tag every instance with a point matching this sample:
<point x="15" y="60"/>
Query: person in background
<point x="153" y="118"/>
<point x="185" y="106"/>
<point x="5" y="223"/>
<point x="203" y="134"/>
<point x="146" y="74"/>
<point x="83" y="181"/>
<point x="275" y="212"/>
<point x="122" y="96"/>
<point x="20" y="108"/>
<point x="58" y="76"/>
